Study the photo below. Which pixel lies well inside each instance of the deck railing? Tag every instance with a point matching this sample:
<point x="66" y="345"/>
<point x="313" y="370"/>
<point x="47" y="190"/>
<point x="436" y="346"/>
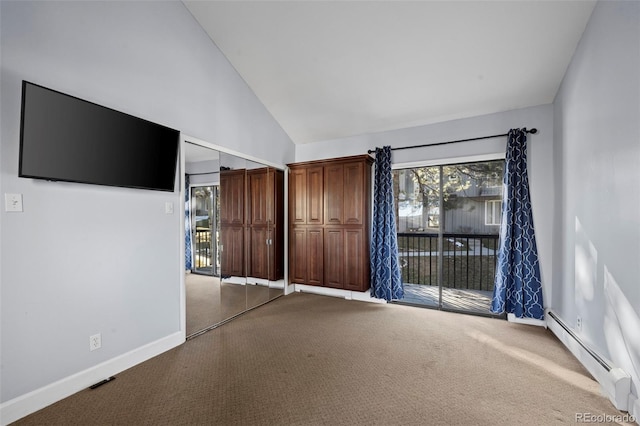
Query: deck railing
<point x="469" y="260"/>
<point x="202" y="248"/>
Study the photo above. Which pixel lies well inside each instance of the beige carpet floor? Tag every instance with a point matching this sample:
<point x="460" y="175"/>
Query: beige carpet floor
<point x="203" y="302"/>
<point x="315" y="360"/>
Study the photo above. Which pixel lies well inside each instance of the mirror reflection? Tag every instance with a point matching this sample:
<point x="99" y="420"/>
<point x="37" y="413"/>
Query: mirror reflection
<point x="264" y="227"/>
<point x="234" y="215"/>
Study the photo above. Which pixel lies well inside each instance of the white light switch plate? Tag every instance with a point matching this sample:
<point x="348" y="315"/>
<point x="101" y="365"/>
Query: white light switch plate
<point x="13" y="202"/>
<point x="168" y="207"/>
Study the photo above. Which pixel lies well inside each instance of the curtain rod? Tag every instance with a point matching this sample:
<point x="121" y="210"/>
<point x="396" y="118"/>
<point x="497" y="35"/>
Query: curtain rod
<point x="532" y="131"/>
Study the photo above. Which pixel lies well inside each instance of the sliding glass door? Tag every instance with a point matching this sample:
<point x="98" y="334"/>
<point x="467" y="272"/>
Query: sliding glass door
<point x="448" y="220"/>
<point x="205" y="214"/>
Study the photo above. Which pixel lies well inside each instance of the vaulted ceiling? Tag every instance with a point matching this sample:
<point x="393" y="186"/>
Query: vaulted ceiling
<point x="332" y="69"/>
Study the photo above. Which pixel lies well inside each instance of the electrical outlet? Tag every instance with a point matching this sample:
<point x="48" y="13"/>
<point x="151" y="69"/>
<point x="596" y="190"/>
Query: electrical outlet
<point x="579" y="323"/>
<point x="95" y="342"/>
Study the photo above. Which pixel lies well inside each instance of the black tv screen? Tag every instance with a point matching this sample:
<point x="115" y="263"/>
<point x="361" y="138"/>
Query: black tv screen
<point x="64" y="138"/>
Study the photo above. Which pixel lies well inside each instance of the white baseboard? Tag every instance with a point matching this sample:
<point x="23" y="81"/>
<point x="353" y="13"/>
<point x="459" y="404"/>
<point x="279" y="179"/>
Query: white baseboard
<point x="235" y="280"/>
<point x="615" y="383"/>
<point x="365" y="296"/>
<point x="528" y="321"/>
<point x="33" y="401"/>
<point x="257" y="281"/>
<point x="634" y="408"/>
<point x="277" y="284"/>
<point x="362" y="296"/>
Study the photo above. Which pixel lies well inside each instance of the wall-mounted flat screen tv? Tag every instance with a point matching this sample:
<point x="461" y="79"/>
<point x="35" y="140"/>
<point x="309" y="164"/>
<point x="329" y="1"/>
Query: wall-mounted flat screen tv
<point x="64" y="138"/>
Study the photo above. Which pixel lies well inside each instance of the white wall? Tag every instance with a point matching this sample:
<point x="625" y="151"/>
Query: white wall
<point x="205" y="172"/>
<point x="540" y="156"/>
<point x="597" y="156"/>
<point x="84" y="259"/>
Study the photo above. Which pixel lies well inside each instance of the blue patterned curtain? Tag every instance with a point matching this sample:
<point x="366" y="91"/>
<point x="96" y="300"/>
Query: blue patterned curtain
<point x="517" y="288"/>
<point x="386" y="282"/>
<point x="188" y="255"/>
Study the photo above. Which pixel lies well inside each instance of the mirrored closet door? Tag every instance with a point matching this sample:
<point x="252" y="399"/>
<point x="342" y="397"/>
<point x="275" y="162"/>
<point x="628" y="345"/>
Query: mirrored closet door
<point x="234" y="215"/>
<point x="204" y="200"/>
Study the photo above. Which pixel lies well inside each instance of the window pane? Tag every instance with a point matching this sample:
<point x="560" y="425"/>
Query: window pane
<point x="468" y="216"/>
<point x="417" y="198"/>
<point x="467" y="189"/>
<point x="493" y="212"/>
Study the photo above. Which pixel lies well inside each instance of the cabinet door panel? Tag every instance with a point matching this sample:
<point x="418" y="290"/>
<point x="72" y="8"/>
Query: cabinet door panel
<point x="275" y="197"/>
<point x="258" y="263"/>
<point x="225" y="199"/>
<point x="257" y="196"/>
<point x="232" y="194"/>
<point x="298" y="256"/>
<point x="334" y="257"/>
<point x="334" y="194"/>
<point x="274" y="261"/>
<point x="298" y="196"/>
<point x="232" y="254"/>
<point x="355" y="260"/>
<point x="354" y="194"/>
<point x="315" y="244"/>
<point x="315" y="195"/>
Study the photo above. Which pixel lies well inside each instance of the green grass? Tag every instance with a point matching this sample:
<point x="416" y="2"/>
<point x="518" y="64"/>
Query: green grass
<point x="463" y="272"/>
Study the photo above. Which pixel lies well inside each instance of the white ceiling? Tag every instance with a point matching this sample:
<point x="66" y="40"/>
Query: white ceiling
<point x="194" y="153"/>
<point x="332" y="69"/>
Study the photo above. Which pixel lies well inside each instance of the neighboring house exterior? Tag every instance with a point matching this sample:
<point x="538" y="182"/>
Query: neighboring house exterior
<point x="472" y="206"/>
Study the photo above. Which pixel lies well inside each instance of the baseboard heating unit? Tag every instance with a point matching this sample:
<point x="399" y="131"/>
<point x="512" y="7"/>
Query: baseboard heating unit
<point x="615" y="382"/>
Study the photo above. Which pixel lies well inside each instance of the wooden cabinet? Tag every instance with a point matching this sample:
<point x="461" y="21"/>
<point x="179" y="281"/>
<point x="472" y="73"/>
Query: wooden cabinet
<point x="232" y="251"/>
<point x="306" y="196"/>
<point x="265" y="223"/>
<point x="232" y="212"/>
<point x="306" y="254"/>
<point x="232" y="197"/>
<point x="329" y="205"/>
<point x="252" y="223"/>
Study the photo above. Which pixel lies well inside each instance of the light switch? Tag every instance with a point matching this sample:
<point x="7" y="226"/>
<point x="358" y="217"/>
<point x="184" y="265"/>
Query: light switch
<point x="13" y="202"/>
<point x="168" y="207"/>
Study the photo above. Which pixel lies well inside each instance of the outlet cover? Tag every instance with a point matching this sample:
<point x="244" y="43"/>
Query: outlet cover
<point x="95" y="342"/>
